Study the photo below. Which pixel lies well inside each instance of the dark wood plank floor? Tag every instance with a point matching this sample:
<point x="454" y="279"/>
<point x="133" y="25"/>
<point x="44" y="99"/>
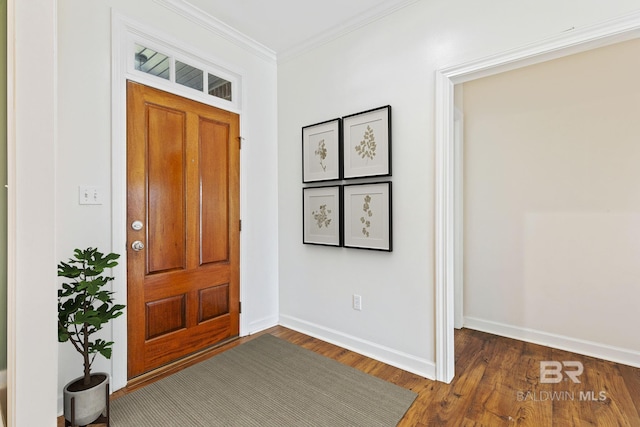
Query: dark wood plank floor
<point x="497" y="384"/>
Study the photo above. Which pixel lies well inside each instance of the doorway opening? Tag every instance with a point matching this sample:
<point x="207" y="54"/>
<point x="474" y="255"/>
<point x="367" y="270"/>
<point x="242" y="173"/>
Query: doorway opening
<point x="448" y="258"/>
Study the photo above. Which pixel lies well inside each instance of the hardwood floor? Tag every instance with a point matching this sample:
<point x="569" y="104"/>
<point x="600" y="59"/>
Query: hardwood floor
<point x="497" y="384"/>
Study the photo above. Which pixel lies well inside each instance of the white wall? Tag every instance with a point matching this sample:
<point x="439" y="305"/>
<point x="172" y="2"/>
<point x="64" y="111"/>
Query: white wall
<point x="32" y="342"/>
<point x="84" y="151"/>
<point x="552" y="202"/>
<point x="391" y="61"/>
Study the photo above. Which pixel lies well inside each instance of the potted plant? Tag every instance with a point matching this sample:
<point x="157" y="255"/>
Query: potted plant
<point x="84" y="307"/>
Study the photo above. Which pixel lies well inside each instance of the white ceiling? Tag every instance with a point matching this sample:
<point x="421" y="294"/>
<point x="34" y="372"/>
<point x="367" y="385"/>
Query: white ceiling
<point x="284" y="26"/>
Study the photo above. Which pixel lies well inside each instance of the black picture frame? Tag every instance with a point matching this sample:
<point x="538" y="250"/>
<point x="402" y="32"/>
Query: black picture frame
<point x="322" y="215"/>
<point x="366" y="142"/>
<point x="367" y="216"/>
<point x="321" y="151"/>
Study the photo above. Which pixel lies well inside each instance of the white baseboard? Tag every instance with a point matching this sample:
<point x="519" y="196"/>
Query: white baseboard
<point x="404" y="361"/>
<point x="574" y="345"/>
<point x="3" y="385"/>
<point x="261" y="324"/>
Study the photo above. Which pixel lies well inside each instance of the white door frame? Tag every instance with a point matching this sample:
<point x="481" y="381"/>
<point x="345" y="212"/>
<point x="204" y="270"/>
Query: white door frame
<point x="124" y="31"/>
<point x="448" y="160"/>
<point x="458" y="173"/>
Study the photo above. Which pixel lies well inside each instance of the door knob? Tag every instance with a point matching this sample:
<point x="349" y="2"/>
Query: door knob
<point x="137" y="245"/>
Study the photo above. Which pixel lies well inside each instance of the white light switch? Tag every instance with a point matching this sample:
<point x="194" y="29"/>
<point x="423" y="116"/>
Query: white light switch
<point x="90" y="195"/>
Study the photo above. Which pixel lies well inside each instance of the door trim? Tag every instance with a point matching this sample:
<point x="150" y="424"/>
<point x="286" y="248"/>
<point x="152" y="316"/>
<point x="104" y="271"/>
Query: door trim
<point x="123" y="30"/>
<point x="448" y="257"/>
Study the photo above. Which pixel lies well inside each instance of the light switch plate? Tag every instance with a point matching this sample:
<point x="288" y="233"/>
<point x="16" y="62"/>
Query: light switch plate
<point x="90" y="195"/>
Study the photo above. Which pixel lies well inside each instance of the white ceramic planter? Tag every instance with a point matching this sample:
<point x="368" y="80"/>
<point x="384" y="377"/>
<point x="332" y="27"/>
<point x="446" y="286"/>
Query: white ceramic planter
<point x="89" y="404"/>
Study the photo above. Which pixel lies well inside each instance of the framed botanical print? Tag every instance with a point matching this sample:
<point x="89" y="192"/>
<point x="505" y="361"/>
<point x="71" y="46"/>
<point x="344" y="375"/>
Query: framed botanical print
<point x="367" y="143"/>
<point x="322" y="212"/>
<point x="367" y="216"/>
<point x="321" y="144"/>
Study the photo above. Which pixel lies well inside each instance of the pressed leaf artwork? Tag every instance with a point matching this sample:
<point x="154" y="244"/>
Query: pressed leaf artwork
<point x="322" y="216"/>
<point x="321" y="219"/>
<point x="366" y="222"/>
<point x="322" y="153"/>
<point x="367" y="216"/>
<point x="367" y="147"/>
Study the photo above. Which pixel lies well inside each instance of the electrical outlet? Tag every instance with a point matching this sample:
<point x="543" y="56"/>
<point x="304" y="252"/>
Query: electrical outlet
<point x="357" y="302"/>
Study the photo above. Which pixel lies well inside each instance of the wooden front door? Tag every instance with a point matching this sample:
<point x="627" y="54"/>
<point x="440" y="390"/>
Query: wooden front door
<point x="183" y="212"/>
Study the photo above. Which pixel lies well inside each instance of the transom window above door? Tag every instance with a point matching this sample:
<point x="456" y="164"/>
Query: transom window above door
<point x="164" y="66"/>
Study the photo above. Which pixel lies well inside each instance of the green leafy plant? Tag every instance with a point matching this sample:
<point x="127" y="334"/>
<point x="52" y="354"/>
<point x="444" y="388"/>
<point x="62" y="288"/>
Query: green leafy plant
<point x="367" y="147"/>
<point x="85" y="306"/>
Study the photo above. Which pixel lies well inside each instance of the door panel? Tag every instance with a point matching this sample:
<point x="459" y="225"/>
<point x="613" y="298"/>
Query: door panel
<point x="165" y="315"/>
<point x="183" y="184"/>
<point x="214" y="238"/>
<point x="166" y="176"/>
<point x="214" y="302"/>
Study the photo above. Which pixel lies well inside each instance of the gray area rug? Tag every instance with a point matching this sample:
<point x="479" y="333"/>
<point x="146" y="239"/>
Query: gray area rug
<point x="264" y="382"/>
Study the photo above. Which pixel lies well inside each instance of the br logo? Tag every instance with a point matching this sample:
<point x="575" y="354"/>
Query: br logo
<point x="553" y="372"/>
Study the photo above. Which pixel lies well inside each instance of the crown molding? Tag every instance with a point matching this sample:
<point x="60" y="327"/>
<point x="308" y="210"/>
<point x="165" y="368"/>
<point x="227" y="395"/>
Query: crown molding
<point x="571" y="41"/>
<point x="371" y="15"/>
<point x="211" y="23"/>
